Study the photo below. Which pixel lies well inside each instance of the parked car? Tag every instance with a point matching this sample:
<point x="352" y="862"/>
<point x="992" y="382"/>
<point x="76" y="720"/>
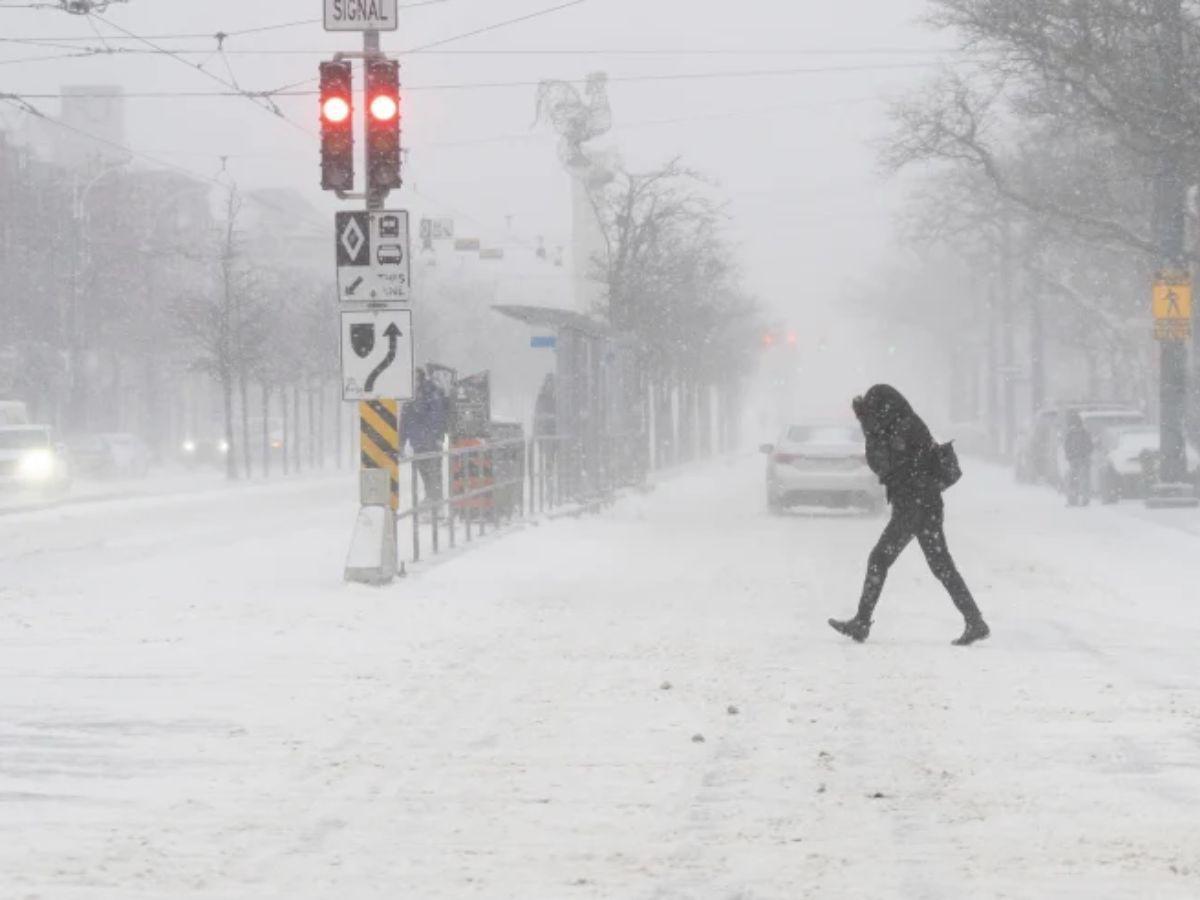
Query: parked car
<point x="30" y="462"/>
<point x="117" y="455"/>
<point x="1040" y="457"/>
<point x="821" y="465"/>
<point x="1126" y="459"/>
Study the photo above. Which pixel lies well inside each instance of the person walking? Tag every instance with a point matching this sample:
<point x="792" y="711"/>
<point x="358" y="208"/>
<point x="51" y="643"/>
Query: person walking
<point x="1078" y="446"/>
<point x="902" y="453"/>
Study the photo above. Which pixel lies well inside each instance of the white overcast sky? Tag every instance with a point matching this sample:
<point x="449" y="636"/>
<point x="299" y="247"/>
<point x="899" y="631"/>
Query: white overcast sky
<point x="792" y="151"/>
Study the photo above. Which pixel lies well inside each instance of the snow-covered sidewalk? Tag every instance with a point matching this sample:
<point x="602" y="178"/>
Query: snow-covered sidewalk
<point x="645" y="704"/>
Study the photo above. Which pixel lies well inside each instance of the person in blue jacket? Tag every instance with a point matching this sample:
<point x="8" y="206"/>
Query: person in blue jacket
<point x="424" y="423"/>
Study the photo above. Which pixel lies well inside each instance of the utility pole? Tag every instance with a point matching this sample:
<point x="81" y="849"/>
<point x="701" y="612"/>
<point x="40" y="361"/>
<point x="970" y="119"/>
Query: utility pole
<point x="992" y="361"/>
<point x="1170" y="203"/>
<point x="1037" y="321"/>
<point x="1008" y="337"/>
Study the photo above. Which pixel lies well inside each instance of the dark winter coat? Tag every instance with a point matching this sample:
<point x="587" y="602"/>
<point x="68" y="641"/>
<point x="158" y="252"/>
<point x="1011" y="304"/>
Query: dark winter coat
<point x="900" y="448"/>
<point x="545" y="410"/>
<point x="425" y="419"/>
<point x="1078" y="444"/>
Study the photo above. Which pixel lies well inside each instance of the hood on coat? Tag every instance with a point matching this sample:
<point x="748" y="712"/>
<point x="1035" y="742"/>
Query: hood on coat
<point x="881" y="407"/>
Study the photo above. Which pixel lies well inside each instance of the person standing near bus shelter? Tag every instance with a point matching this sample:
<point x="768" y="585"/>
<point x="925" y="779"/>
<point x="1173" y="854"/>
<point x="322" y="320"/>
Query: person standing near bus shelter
<point x="424" y="422"/>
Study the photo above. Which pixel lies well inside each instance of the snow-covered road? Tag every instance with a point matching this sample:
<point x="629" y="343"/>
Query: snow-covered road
<point x="645" y="704"/>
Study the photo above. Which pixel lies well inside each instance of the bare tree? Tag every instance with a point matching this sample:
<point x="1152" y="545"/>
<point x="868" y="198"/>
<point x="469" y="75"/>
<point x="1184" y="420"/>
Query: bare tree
<point x="671" y="283"/>
<point x="224" y="329"/>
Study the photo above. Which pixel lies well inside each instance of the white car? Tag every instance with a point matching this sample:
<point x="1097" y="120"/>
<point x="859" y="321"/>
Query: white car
<point x="1125" y="457"/>
<point x="821" y="465"/>
<point x="29" y="461"/>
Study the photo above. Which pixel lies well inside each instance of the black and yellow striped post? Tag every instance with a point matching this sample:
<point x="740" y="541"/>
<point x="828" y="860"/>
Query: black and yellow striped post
<point x="379" y="424"/>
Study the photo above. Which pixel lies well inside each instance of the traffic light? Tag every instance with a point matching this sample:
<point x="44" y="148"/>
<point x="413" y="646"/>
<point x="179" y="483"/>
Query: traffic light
<point x="383" y="126"/>
<point x="337" y="126"/>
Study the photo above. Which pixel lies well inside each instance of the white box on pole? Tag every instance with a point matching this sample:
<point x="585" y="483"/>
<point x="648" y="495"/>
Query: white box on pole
<point x="361" y="15"/>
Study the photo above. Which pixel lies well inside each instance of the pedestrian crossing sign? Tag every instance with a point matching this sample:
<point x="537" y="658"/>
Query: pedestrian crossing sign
<point x="1173" y="297"/>
<point x="1172" y="306"/>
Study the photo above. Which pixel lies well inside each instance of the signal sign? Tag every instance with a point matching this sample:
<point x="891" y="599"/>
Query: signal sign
<point x="361" y="15"/>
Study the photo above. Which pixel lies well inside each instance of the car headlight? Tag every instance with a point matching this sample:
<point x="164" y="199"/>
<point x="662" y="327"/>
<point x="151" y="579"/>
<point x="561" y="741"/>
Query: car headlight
<point x="189" y="447"/>
<point x="36" y="465"/>
<point x="223" y="447"/>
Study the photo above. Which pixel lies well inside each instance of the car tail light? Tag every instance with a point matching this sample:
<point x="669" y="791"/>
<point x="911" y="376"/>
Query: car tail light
<point x="785" y="458"/>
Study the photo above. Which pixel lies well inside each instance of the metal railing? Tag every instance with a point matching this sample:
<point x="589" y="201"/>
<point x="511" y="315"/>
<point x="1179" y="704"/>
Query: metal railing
<point x="455" y="495"/>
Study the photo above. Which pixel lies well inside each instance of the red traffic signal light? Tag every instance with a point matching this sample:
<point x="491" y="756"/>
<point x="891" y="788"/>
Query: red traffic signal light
<point x="335" y="110"/>
<point x="384" y="108"/>
<point x="337" y="126"/>
<point x="383" y="126"/>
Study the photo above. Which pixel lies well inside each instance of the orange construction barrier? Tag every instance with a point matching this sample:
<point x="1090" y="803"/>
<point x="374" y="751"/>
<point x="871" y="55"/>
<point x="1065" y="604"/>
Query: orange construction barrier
<point x="471" y="472"/>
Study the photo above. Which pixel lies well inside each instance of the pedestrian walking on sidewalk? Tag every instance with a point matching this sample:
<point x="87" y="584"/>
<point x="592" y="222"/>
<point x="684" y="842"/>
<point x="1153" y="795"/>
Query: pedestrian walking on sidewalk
<point x="915" y="470"/>
<point x="1078" y="446"/>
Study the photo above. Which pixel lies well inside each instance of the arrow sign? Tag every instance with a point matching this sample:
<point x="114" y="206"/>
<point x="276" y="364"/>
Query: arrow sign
<point x="393" y="334"/>
<point x="377" y="353"/>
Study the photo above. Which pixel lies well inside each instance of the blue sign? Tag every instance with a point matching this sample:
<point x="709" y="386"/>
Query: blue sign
<point x="543" y="342"/>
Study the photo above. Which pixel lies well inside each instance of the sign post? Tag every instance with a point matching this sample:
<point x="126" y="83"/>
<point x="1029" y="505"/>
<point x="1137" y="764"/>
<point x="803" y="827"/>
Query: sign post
<point x="1171" y="299"/>
<point x="374" y="279"/>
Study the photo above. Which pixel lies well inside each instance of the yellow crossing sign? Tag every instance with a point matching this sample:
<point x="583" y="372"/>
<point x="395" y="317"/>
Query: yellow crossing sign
<point x="1172" y="302"/>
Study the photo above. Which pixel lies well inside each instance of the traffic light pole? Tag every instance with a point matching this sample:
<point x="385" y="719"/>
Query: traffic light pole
<point x="376" y="537"/>
<point x="370" y="51"/>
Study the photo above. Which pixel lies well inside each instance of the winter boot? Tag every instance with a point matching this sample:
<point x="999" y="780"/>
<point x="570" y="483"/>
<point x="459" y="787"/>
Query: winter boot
<point x="976" y="630"/>
<point x="852" y="628"/>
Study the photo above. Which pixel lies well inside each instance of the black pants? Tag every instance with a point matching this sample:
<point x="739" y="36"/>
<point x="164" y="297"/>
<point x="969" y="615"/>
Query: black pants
<point x="431" y="474"/>
<point x="1079" y="484"/>
<point x="922" y="518"/>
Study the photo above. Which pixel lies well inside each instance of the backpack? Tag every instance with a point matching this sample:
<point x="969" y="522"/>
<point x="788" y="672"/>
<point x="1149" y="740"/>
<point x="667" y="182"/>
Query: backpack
<point x="946" y="468"/>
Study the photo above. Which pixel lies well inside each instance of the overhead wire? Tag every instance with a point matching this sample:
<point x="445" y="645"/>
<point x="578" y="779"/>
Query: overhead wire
<point x="50" y="58"/>
<point x="294" y="91"/>
<point x="497" y="25"/>
<point x="266" y="103"/>
<point x="154" y="159"/>
<point x="550" y="10"/>
<point x="39" y="42"/>
<point x="545" y="136"/>
<point x="594" y="51"/>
